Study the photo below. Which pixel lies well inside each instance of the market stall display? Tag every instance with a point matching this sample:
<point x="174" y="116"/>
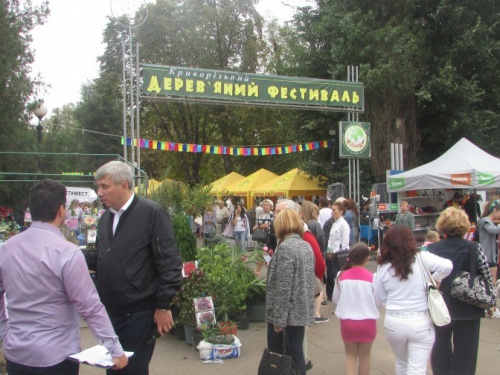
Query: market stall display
<point x="463" y="166"/>
<point x="441" y="183"/>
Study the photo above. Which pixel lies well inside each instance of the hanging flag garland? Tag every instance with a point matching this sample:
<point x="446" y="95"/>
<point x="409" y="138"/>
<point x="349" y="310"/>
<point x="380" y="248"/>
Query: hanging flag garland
<point x="229" y="150"/>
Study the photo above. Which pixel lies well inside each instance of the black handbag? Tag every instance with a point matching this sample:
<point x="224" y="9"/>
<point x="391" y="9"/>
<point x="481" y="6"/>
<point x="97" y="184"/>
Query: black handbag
<point x="473" y="289"/>
<point x="273" y="363"/>
<point x="342" y="256"/>
<point x="260" y="235"/>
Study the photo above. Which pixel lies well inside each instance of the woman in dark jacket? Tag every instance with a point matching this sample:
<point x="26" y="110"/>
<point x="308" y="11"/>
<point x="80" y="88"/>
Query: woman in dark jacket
<point x="456" y="345"/>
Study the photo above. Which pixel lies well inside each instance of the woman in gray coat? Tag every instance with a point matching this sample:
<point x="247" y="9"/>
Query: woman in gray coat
<point x="290" y="287"/>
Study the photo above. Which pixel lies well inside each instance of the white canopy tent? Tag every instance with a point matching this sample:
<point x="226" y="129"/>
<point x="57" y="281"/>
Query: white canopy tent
<point x="464" y="166"/>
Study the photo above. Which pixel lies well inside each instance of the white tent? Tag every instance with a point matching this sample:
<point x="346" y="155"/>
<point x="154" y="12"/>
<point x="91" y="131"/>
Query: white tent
<point x="464" y="166"/>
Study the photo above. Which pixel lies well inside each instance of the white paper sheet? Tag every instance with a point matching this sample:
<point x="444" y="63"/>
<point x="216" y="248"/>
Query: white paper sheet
<point x="96" y="356"/>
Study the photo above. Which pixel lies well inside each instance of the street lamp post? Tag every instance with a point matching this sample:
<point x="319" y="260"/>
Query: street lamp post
<point x="40" y="111"/>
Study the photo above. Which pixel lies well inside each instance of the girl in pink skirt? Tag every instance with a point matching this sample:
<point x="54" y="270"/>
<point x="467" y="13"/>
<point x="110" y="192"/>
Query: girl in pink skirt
<point x="357" y="310"/>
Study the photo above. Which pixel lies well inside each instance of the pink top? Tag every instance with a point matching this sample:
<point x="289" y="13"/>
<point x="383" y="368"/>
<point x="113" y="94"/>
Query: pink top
<point x="354" y="295"/>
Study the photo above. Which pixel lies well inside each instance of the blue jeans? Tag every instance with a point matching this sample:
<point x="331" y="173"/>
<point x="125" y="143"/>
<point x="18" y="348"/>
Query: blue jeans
<point x="241" y="239"/>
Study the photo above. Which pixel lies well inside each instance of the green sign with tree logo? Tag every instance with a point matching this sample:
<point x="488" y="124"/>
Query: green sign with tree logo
<point x="355" y="140"/>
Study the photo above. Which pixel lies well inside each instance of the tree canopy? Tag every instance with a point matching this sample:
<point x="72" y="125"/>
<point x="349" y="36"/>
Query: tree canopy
<point x="17" y="87"/>
<point x="429" y="69"/>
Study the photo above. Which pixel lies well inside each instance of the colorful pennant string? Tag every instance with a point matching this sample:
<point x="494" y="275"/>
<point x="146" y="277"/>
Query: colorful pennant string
<point x="228" y="150"/>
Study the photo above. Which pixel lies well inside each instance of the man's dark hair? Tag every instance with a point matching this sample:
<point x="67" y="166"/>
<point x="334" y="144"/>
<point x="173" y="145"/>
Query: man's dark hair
<point x="324" y="202"/>
<point x="46" y="197"/>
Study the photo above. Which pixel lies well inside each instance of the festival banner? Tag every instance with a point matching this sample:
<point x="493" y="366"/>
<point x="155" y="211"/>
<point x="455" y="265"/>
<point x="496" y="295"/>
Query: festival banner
<point x="225" y="150"/>
<point x="226" y="87"/>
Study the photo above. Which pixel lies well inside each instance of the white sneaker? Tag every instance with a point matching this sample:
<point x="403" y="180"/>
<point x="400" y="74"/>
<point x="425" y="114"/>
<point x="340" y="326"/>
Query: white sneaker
<point x="496" y="314"/>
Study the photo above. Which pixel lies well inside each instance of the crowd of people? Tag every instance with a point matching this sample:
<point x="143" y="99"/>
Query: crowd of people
<point x="295" y="285"/>
<point x="314" y="255"/>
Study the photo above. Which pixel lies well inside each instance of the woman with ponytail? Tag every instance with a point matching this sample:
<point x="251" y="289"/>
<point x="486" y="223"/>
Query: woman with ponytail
<point x="358" y="315"/>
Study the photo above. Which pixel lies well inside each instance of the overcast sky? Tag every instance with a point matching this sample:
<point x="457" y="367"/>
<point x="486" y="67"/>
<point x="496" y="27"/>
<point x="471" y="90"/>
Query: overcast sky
<point x="67" y="46"/>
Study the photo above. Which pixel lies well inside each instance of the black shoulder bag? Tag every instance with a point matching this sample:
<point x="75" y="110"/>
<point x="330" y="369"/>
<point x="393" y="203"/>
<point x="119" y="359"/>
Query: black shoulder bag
<point x="273" y="363"/>
<point x="471" y="288"/>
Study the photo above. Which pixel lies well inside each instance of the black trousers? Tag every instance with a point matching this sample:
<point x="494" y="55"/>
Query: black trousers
<point x="64" y="368"/>
<point x="455" y="348"/>
<point x="135" y="332"/>
<point x="295" y="337"/>
<point x="332" y="269"/>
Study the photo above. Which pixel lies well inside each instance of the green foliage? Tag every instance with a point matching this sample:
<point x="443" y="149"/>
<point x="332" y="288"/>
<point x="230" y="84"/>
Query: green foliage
<point x="197" y="200"/>
<point x="225" y="35"/>
<point x="8" y="228"/>
<point x="186" y="241"/>
<point x="429" y="70"/>
<point x="99" y="112"/>
<point x="226" y="269"/>
<point x="194" y="286"/>
<point x="257" y="293"/>
<point x="17" y="87"/>
<point x="212" y="334"/>
<point x="169" y="194"/>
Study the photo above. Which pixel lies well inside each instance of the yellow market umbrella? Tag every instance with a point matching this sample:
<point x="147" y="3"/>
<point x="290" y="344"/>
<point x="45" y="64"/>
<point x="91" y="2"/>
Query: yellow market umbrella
<point x="244" y="187"/>
<point x="219" y="186"/>
<point x="290" y="184"/>
<point x="154" y="185"/>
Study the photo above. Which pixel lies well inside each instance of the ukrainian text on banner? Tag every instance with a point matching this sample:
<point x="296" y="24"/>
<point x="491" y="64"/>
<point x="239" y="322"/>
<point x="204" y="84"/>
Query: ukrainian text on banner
<point x="228" y="150"/>
<point x="216" y="86"/>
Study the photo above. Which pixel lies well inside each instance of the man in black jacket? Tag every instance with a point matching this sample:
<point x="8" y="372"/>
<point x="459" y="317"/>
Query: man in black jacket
<point x="138" y="267"/>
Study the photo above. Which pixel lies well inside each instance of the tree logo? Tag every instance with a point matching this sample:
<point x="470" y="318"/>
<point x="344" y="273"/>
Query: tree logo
<point x="355" y="139"/>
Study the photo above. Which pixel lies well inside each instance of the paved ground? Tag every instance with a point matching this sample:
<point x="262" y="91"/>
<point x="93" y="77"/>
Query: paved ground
<point x="325" y="348"/>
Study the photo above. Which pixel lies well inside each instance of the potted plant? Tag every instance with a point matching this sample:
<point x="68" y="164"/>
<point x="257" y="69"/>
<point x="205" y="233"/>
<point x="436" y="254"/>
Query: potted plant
<point x="214" y="238"/>
<point x="184" y="237"/>
<point x="256" y="301"/>
<point x="214" y="334"/>
<point x="216" y="345"/>
<point x="194" y="286"/>
<point x="232" y="278"/>
<point x="224" y="268"/>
